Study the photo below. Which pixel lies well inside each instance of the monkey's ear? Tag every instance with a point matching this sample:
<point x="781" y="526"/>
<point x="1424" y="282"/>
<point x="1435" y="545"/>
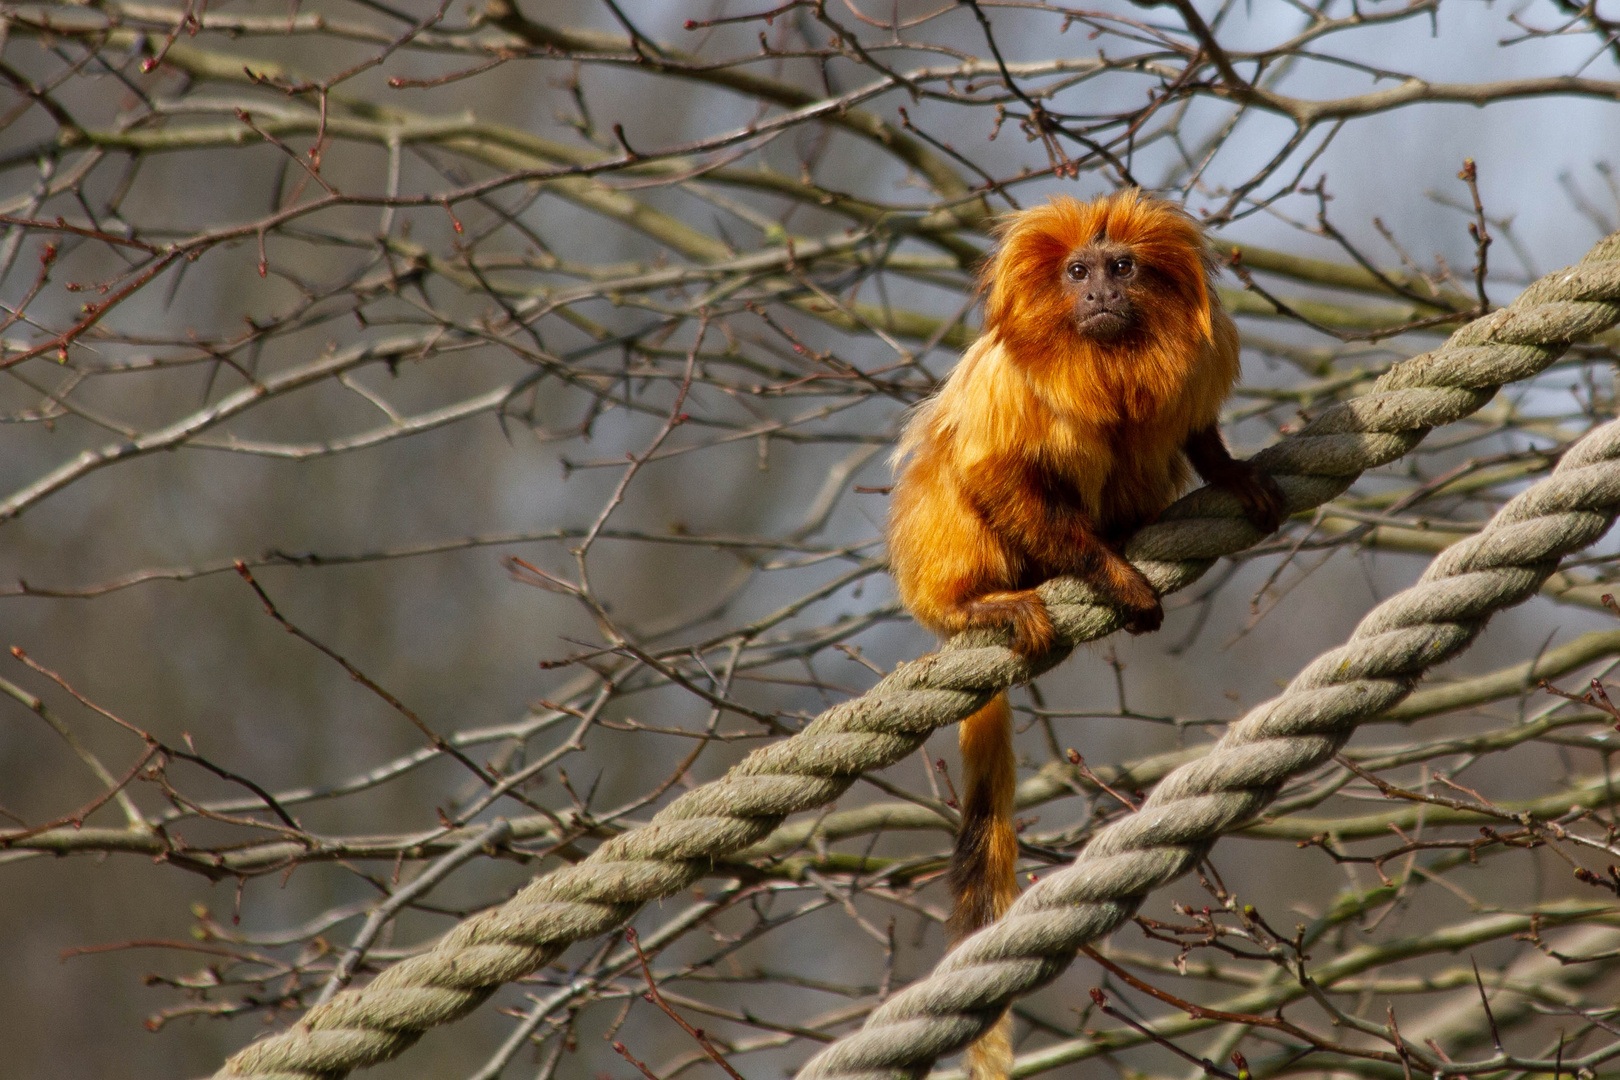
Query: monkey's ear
<point x="1202" y="300"/>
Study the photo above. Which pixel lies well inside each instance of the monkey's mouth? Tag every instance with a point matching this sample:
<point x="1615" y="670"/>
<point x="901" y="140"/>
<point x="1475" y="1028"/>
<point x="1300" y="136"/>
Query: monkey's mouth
<point x="1102" y="324"/>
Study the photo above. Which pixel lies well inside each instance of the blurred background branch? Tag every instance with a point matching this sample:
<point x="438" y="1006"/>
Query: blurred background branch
<point x="538" y="360"/>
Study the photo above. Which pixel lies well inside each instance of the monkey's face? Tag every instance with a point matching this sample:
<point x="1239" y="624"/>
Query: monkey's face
<point x="1099" y="280"/>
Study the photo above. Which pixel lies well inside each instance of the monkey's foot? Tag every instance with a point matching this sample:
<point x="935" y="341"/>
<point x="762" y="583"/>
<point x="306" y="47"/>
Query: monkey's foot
<point x="1022" y="612"/>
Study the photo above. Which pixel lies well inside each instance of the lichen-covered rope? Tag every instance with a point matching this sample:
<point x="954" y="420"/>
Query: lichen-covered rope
<point x="1289" y="735"/>
<point x="373" y="1023"/>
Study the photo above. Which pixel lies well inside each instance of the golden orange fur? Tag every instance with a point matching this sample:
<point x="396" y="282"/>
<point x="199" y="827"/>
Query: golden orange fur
<point x="1099" y="375"/>
<point x="983" y="874"/>
<point x="1106" y="419"/>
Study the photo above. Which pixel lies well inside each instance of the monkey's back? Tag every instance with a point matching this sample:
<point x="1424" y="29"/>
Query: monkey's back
<point x="941" y="550"/>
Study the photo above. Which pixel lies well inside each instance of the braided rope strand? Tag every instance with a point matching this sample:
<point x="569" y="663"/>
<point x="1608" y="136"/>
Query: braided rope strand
<point x="1303" y="727"/>
<point x="370" y="1024"/>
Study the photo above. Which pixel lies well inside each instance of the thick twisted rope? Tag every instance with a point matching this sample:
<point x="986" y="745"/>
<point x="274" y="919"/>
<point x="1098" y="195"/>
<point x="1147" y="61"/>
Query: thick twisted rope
<point x="1195" y="804"/>
<point x="373" y="1023"/>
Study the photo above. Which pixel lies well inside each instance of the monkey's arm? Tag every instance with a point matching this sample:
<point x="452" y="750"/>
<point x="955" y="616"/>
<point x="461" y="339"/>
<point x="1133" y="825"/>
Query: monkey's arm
<point x="1262" y="500"/>
<point x="1026" y="508"/>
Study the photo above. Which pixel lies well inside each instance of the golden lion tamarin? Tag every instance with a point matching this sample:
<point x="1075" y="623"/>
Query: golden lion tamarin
<point x="1099" y="375"/>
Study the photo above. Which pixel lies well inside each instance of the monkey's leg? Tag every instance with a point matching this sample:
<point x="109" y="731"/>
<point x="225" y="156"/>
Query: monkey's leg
<point x="983" y="872"/>
<point x="1028" y="509"/>
<point x="1262" y="500"/>
<point x="1092" y="560"/>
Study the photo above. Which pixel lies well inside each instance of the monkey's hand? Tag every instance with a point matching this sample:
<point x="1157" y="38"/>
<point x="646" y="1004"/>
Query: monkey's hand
<point x="1263" y="501"/>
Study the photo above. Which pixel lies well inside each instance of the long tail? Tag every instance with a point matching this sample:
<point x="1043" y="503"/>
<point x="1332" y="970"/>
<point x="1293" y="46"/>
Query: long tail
<point x="983" y="874"/>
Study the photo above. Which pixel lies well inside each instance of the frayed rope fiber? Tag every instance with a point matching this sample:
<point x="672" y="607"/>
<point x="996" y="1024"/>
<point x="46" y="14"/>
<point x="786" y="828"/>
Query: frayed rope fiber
<point x="376" y="1022"/>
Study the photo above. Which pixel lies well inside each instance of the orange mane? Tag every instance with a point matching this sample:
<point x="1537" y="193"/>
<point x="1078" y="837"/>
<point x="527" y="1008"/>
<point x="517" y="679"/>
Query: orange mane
<point x="1028" y="312"/>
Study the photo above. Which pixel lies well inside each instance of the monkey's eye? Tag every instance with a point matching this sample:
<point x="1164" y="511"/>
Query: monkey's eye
<point x="1077" y="271"/>
<point x="1120" y="267"/>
